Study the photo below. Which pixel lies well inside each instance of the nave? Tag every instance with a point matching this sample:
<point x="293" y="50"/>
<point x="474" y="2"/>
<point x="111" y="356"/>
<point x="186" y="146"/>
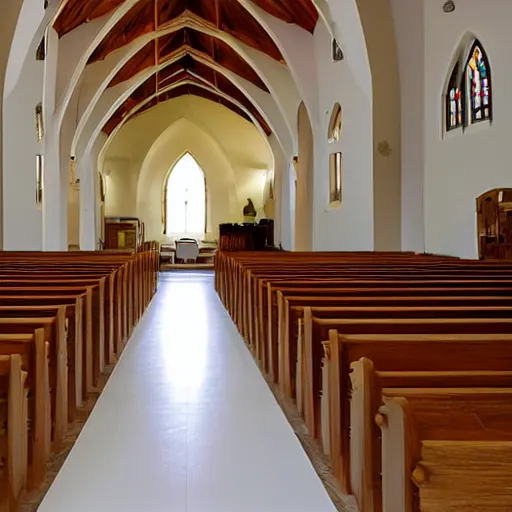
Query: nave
<point x="187" y="423"/>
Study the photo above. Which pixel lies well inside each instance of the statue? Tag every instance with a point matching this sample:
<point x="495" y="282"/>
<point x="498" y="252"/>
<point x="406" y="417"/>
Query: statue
<point x="249" y="212"/>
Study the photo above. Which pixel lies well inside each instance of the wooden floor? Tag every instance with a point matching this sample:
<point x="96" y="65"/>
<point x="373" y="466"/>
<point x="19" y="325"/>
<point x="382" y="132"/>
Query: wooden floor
<point x="187" y="422"/>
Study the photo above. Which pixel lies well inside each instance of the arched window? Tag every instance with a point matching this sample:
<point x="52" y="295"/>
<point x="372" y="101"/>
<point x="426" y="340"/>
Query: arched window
<point x="454" y="99"/>
<point x="335" y="124"/>
<point x="185" y="199"/>
<point x="478" y="85"/>
<point x="468" y="98"/>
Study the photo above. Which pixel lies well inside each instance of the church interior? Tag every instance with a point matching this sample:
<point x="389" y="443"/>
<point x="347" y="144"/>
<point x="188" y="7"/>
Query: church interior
<point x="255" y="256"/>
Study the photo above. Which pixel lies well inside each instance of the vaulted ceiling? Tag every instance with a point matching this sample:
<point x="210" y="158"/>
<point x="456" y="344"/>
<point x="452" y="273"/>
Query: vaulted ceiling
<point x="185" y="59"/>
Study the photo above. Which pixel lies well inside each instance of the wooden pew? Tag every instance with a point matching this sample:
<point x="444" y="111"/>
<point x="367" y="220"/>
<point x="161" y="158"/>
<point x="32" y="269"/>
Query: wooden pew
<point x="33" y="350"/>
<point x="379" y="296"/>
<point x="264" y="320"/>
<point x="367" y="386"/>
<point x="73" y="328"/>
<point x="93" y="315"/>
<point x="455" y="445"/>
<point x="13" y="417"/>
<point x="298" y="353"/>
<point x="53" y="330"/>
<point x="410" y="350"/>
<point x="41" y="298"/>
<point x="290" y="318"/>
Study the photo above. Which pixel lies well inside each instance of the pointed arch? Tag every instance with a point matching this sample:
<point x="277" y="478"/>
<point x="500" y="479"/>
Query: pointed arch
<point x="477" y="78"/>
<point x="468" y="91"/>
<point x="185" y="199"/>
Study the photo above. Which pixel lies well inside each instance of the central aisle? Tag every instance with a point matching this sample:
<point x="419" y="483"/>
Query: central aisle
<point x="187" y="423"/>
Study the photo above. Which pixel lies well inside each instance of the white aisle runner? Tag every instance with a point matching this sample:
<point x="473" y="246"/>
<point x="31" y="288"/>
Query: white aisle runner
<point x="187" y="423"/>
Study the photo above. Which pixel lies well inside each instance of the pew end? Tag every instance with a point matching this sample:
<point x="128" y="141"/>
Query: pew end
<point x="464" y="476"/>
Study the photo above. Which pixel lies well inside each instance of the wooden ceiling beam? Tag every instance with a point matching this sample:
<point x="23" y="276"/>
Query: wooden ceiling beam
<point x="144" y="91"/>
<point x="183" y="87"/>
<point x="157" y="44"/>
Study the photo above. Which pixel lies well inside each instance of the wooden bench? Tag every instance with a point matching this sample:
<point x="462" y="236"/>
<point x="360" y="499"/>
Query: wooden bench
<point x="13" y="428"/>
<point x="33" y="350"/>
<point x="367" y="386"/>
<point x="289" y="307"/>
<point x="455" y="445"/>
<point x="402" y="348"/>
<point x="62" y="317"/>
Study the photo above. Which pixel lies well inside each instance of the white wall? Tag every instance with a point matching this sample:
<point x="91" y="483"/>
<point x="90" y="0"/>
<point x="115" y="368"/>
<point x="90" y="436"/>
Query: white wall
<point x="23" y="218"/>
<point x="410" y="33"/>
<point x="349" y="227"/>
<point x="461" y="166"/>
<point x="18" y="23"/>
<point x="232" y="153"/>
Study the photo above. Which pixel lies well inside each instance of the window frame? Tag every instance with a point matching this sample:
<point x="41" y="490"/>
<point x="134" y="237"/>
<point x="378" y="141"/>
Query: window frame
<point x="165" y="220"/>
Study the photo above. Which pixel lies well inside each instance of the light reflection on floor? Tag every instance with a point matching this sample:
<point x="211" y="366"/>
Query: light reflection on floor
<point x="185" y="338"/>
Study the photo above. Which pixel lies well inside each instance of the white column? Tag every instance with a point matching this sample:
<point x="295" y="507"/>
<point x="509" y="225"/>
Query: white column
<point x="55" y="179"/>
<point x="55" y="200"/>
<point x="287" y="207"/>
<point x="280" y="180"/>
<point x="22" y="222"/>
<point x="8" y="20"/>
<point x="88" y="185"/>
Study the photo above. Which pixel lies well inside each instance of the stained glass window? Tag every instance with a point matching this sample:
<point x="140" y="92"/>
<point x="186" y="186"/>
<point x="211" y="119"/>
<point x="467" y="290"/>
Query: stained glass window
<point x="454" y="101"/>
<point x="478" y="85"/>
<point x="468" y="96"/>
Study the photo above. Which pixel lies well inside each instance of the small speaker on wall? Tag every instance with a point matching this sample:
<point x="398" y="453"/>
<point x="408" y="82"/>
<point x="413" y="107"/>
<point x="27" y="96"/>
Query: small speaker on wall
<point x="449" y="6"/>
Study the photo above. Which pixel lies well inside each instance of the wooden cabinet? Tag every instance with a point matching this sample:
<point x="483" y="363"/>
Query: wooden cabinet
<point x="123" y="234"/>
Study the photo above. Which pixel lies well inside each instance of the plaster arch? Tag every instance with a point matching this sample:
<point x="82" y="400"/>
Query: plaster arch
<point x="264" y="103"/>
<point x="30" y="29"/>
<point x="97" y="131"/>
<point x="285" y="139"/>
<point x="19" y="21"/>
<point x="298" y="49"/>
<point x="24" y="79"/>
<point x="367" y="33"/>
<point x="102" y="117"/>
<point x="186" y="136"/>
<point x="280" y="84"/>
<point x="137" y="136"/>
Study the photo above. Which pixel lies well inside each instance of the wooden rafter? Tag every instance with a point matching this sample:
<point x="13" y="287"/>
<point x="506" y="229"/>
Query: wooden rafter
<point x="189" y="25"/>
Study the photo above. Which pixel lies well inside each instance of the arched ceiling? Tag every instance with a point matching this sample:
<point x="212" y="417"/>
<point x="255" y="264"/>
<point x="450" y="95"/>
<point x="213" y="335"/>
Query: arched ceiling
<point x="191" y="41"/>
<point x="172" y="77"/>
<point x="186" y="54"/>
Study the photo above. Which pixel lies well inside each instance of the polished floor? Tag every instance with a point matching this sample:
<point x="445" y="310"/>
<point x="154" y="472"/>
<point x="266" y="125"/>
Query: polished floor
<point x="187" y="423"/>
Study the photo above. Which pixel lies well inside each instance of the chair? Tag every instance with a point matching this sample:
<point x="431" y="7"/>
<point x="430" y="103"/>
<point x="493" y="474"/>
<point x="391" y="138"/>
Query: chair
<point x="187" y="250"/>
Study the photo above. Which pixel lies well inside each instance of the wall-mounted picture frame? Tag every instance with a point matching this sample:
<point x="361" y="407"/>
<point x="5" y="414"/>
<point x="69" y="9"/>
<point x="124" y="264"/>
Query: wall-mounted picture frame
<point x="335" y="178"/>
